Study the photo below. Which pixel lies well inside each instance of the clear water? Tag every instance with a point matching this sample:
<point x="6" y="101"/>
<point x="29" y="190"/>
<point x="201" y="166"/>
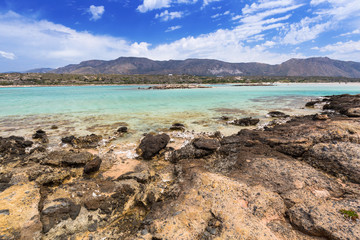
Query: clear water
<point x="101" y="109"/>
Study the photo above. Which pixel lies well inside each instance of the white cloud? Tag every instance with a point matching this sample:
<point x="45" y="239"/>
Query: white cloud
<point x="96" y="12"/>
<point x="207" y="2"/>
<point x="305" y="30"/>
<point x="349" y="50"/>
<point x="220" y="14"/>
<point x="167" y="16"/>
<point x="149" y="5"/>
<point x="173" y="28"/>
<point x="339" y="9"/>
<point x="266" y="4"/>
<point x="356" y="31"/>
<point x="7" y="55"/>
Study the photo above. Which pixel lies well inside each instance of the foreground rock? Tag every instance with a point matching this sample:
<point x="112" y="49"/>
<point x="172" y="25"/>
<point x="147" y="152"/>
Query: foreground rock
<point x="297" y="180"/>
<point x="89" y="141"/>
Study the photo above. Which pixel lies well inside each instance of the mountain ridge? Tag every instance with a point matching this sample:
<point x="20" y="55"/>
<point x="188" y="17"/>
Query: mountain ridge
<point x="315" y="66"/>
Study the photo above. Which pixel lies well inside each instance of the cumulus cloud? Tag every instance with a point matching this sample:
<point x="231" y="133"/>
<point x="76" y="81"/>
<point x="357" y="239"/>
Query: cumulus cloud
<point x="96" y="12"/>
<point x="342" y="50"/>
<point x="149" y="5"/>
<point x="7" y="55"/>
<point x="167" y="16"/>
<point x="207" y="2"/>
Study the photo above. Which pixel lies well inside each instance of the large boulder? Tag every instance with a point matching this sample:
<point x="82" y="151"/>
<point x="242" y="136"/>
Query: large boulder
<point x="151" y="145"/>
<point x="92" y="166"/>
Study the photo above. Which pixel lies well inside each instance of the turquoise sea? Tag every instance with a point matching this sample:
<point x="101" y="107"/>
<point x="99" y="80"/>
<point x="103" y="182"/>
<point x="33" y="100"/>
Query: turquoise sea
<point x="83" y="110"/>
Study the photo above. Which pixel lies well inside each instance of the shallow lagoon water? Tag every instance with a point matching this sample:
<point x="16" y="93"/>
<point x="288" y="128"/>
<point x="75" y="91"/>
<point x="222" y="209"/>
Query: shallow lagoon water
<point x="83" y="110"/>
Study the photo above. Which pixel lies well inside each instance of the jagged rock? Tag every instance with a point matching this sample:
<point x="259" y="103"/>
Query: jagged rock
<point x="321" y="117"/>
<point x="178" y="127"/>
<point x="337" y="159"/>
<point x="277" y="114"/>
<point x="207" y="144"/>
<point x="151" y="145"/>
<point x="92" y="166"/>
<point x="13" y="147"/>
<point x="122" y="129"/>
<point x="5" y="179"/>
<point x="326" y="220"/>
<point x="53" y="177"/>
<point x="89" y="141"/>
<point x="41" y="135"/>
<point x="246" y="121"/>
<point x="57" y="211"/>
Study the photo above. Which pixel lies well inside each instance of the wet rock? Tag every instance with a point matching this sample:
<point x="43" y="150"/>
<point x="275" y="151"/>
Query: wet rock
<point x="277" y="114"/>
<point x="89" y="141"/>
<point x="41" y="135"/>
<point x="321" y="117"/>
<point x="57" y="211"/>
<point x="53" y="127"/>
<point x="122" y="129"/>
<point x="92" y="166"/>
<point x="151" y="145"/>
<point x="177" y="127"/>
<point x="225" y="118"/>
<point x="68" y="140"/>
<point x="246" y="121"/>
<point x="312" y="104"/>
<point x="207" y="144"/>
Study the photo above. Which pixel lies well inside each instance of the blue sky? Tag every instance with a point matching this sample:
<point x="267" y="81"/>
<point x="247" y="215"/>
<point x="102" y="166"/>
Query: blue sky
<point x="54" y="33"/>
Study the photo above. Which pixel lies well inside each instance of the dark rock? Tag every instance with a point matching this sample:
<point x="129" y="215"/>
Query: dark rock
<point x="41" y="135"/>
<point x="277" y="114"/>
<point x="225" y="118"/>
<point x="311" y="104"/>
<point x="353" y="112"/>
<point x="206" y="144"/>
<point x="89" y="141"/>
<point x="151" y="145"/>
<point x="61" y="209"/>
<point x="51" y="177"/>
<point x="189" y="152"/>
<point x="13" y="147"/>
<point x="92" y="166"/>
<point x="68" y="140"/>
<point x="122" y="129"/>
<point x="54" y="127"/>
<point x="92" y="227"/>
<point x="76" y="159"/>
<point x="178" y="127"/>
<point x="246" y="121"/>
<point x="4" y="212"/>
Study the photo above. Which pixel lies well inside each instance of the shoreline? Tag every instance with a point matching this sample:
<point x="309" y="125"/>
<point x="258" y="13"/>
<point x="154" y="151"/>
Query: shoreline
<point x="150" y="84"/>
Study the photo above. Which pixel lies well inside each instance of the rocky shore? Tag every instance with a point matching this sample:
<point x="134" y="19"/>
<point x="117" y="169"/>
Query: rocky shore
<point x="296" y="180"/>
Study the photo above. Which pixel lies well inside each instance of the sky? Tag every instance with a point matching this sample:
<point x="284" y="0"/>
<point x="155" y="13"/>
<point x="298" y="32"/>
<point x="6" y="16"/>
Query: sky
<point x="55" y="33"/>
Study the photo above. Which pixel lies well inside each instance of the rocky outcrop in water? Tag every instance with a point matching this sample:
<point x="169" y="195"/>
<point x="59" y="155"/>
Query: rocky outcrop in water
<point x="297" y="180"/>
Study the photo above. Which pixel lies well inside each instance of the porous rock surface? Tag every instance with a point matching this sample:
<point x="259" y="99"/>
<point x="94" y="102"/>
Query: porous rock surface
<point x="290" y="181"/>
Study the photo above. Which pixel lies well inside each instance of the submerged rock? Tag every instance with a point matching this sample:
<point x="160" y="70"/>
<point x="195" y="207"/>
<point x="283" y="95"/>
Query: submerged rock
<point x="245" y="121"/>
<point x="122" y="129"/>
<point x="151" y="145"/>
<point x="178" y="127"/>
<point x="277" y="114"/>
<point x="41" y="135"/>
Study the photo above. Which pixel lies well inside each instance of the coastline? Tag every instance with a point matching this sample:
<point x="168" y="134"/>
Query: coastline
<point x="252" y="180"/>
<point x="151" y="84"/>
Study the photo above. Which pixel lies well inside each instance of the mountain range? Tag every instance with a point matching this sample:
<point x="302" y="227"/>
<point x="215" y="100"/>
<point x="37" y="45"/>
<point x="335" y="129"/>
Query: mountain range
<point x="317" y="66"/>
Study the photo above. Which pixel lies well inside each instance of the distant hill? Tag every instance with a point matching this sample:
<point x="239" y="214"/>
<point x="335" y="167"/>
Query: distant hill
<point x="319" y="66"/>
<point x="39" y="70"/>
